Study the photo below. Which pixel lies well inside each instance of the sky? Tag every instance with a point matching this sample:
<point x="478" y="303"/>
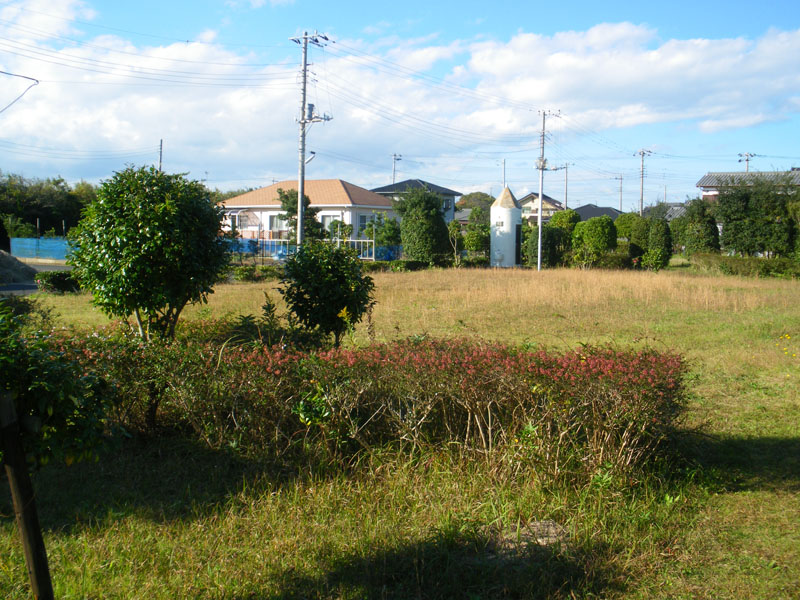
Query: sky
<point x="457" y="91"/>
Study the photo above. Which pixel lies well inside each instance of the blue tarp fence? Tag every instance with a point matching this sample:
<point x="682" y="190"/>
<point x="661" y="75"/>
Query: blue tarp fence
<point x="55" y="248"/>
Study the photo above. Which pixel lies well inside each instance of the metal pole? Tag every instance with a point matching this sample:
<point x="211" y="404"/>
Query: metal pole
<point x="641" y="185"/>
<point x="566" y="172"/>
<point x="301" y="175"/>
<point x="160" y="153"/>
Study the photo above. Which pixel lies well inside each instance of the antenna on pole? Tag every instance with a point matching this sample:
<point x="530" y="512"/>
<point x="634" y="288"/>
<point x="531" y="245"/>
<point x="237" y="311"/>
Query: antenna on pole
<point x="395" y="158"/>
<point x="307" y="116"/>
<point x="160" y="153"/>
<point x="745" y="158"/>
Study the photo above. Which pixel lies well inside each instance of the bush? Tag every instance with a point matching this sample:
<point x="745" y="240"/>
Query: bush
<point x="371" y="266"/>
<point x="561" y="414"/>
<point x="246" y="273"/>
<point x="409" y="265"/>
<point x="746" y="266"/>
<point x="325" y="288"/>
<point x="476" y="261"/>
<point x="618" y="260"/>
<point x="56" y="282"/>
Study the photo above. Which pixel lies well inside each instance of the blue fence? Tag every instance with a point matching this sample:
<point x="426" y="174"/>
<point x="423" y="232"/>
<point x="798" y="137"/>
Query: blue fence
<point x="55" y="248"/>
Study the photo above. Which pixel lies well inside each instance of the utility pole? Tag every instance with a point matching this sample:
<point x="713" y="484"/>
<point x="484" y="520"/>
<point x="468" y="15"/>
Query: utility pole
<point x="620" y="192"/>
<point x="395" y="158"/>
<point x="541" y="164"/>
<point x="642" y="153"/>
<point x="307" y="117"/>
<point x="160" y="153"/>
<point x="745" y="158"/>
<point x="565" y="167"/>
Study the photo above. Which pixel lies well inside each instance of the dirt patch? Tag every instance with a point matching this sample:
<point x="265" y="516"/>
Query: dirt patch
<point x="13" y="270"/>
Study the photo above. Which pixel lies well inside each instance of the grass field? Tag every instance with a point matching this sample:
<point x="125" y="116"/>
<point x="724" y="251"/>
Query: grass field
<point x="168" y="519"/>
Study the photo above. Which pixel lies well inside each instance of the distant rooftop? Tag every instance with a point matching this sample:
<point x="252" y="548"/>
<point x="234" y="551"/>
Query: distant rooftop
<point x="716" y="180"/>
<point x="415" y="184"/>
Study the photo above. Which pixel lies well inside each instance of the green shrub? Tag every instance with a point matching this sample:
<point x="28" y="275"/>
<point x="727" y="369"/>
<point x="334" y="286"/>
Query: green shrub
<point x="371" y="266"/>
<point x="560" y="414"/>
<point x="246" y="273"/>
<point x="617" y="260"/>
<point x="746" y="266"/>
<point x="325" y="288"/>
<point x="475" y="261"/>
<point x="269" y="272"/>
<point x="56" y="282"/>
<point x="409" y="265"/>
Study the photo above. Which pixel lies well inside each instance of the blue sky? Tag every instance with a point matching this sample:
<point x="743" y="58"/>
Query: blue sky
<point x="454" y="87"/>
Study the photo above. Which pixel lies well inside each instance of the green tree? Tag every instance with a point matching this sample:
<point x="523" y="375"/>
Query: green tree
<point x="338" y="229"/>
<point x="593" y="238"/>
<point x="476" y="200"/>
<point x="5" y="239"/>
<point x="326" y="289"/>
<point x="422" y="229"/>
<point x="566" y="220"/>
<point x="554" y="242"/>
<point x="624" y="224"/>
<point x="659" y="245"/>
<point x="312" y="227"/>
<point x="477" y="238"/>
<point x="756" y="217"/>
<point x="639" y="235"/>
<point x="385" y="231"/>
<point x="456" y="240"/>
<point x="701" y="233"/>
<point x="147" y="246"/>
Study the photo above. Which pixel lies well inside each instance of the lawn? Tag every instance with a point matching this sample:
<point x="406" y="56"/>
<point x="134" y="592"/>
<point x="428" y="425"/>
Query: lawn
<point x="167" y="518"/>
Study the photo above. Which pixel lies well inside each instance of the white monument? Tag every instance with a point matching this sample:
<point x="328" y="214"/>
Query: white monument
<point x="505" y="218"/>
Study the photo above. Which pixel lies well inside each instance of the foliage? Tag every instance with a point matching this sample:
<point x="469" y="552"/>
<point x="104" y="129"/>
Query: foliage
<point x="147" y="246"/>
<point x="563" y="414"/>
<point x="325" y="289"/>
<point x="479" y="216"/>
<point x="593" y="238"/>
<point x="756" y="217"/>
<point x="659" y="246"/>
<point x="746" y="266"/>
<point x="56" y="282"/>
<point x="565" y="220"/>
<point x="312" y="227"/>
<point x="624" y="224"/>
<point x="476" y="200"/>
<point x="456" y="241"/>
<point x="338" y="229"/>
<point x="618" y="259"/>
<point x="246" y="273"/>
<point x="408" y="265"/>
<point x="701" y="233"/>
<point x="385" y="231"/>
<point x="554" y="244"/>
<point x="640" y="236"/>
<point x="52" y="201"/>
<point x="60" y="407"/>
<point x="477" y="238"/>
<point x="422" y="228"/>
<point x="5" y="239"/>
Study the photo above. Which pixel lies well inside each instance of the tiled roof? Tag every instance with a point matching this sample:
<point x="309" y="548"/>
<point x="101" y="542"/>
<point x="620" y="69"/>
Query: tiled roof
<point x="587" y="211"/>
<point x="534" y="197"/>
<point x="321" y="192"/>
<point x="415" y="184"/>
<point x="716" y="180"/>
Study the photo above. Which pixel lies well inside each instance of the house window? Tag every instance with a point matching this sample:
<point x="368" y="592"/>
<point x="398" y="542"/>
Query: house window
<point x="276" y="223"/>
<point x="362" y="222"/>
<point x="326" y="221"/>
<point x="447" y="204"/>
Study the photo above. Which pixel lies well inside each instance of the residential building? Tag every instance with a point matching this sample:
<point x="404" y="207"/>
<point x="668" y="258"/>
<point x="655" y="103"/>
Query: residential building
<point x="258" y="215"/>
<point x="530" y="207"/>
<point x="711" y="183"/>
<point x="396" y="191"/>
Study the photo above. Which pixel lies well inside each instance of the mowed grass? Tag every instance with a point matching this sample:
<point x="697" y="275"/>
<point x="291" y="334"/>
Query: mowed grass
<point x="165" y="519"/>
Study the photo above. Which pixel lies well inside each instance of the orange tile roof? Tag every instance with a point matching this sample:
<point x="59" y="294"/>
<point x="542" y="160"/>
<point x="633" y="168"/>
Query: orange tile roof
<point x="321" y="192"/>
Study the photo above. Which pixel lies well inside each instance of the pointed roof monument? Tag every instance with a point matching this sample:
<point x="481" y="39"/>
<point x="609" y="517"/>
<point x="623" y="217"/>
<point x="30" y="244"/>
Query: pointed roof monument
<point x="506" y="200"/>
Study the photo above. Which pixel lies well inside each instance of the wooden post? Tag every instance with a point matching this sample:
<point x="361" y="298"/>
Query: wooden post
<point x="24" y="502"/>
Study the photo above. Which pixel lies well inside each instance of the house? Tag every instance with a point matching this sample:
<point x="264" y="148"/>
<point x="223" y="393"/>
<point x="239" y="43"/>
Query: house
<point x="711" y="183"/>
<point x="530" y="207"/>
<point x="587" y="211"/>
<point x="674" y="210"/>
<point x="395" y="192"/>
<point x="258" y="215"/>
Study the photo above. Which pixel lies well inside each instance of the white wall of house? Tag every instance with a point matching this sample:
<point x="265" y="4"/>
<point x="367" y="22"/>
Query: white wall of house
<point x="267" y="223"/>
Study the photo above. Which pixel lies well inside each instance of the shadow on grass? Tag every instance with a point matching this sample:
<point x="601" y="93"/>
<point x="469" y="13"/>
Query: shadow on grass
<point x="739" y="463"/>
<point x="160" y="479"/>
<point x="457" y="566"/>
